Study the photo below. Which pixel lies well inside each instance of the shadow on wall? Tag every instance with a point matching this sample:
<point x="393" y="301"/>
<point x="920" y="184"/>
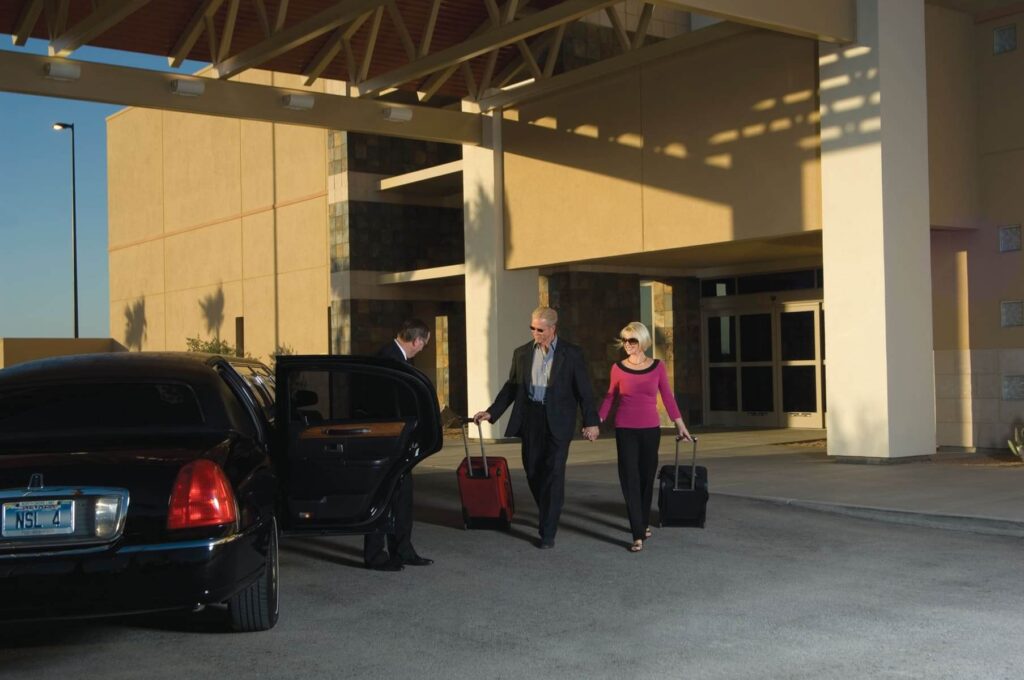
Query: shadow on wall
<point x="135" y="324"/>
<point x="743" y="143"/>
<point x="213" y="311"/>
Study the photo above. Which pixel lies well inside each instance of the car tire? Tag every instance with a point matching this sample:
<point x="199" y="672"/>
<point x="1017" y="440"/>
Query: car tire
<point x="256" y="606"/>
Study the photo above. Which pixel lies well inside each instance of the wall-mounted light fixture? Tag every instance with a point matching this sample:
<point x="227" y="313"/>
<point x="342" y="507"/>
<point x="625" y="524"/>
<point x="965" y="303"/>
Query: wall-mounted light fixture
<point x="397" y="114"/>
<point x="187" y="88"/>
<point x="297" y="102"/>
<point x="61" y="70"/>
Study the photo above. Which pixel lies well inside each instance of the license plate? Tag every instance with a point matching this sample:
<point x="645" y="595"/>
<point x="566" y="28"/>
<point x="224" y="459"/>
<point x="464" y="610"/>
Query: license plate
<point x="39" y="518"/>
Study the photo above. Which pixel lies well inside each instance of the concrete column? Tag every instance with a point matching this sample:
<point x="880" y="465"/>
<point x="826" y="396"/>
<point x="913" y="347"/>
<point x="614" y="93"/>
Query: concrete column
<point x="875" y="220"/>
<point x="498" y="301"/>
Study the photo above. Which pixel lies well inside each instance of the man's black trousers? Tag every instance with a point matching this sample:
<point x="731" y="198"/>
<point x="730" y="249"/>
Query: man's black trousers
<point x="544" y="458"/>
<point x="399" y="543"/>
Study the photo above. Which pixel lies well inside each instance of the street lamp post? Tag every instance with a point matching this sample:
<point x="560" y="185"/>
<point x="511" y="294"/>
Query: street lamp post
<point x="74" y="218"/>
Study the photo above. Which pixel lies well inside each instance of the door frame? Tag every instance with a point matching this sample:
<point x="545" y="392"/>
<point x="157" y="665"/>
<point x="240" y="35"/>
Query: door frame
<point x="774" y="304"/>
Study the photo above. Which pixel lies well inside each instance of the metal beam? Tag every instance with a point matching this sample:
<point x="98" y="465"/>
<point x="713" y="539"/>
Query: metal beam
<point x="297" y="34"/>
<point x="641" y="26"/>
<point x="188" y="37"/>
<point x="23" y="73"/>
<point x="566" y="11"/>
<point x="105" y="17"/>
<point x="601" y="69"/>
<point x="229" y="30"/>
<point x="428" y="31"/>
<point x="829" y="20"/>
<point x="30" y="12"/>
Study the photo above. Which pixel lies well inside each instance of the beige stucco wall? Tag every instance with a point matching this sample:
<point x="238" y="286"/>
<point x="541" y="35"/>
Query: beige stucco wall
<point x="952" y="117"/>
<point x="711" y="145"/>
<point x="979" y="108"/>
<point x="213" y="219"/>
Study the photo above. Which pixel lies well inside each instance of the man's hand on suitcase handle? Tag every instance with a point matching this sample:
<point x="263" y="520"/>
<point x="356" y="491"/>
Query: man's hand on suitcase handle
<point x="481" y="415"/>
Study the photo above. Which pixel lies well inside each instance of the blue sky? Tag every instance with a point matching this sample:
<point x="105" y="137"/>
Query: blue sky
<point x="35" y="206"/>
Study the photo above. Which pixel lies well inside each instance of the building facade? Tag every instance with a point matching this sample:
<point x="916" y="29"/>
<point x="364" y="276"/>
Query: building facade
<point x="819" y="235"/>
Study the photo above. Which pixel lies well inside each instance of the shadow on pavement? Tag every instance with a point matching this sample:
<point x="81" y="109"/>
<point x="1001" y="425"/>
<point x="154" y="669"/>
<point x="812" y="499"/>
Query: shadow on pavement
<point x="324" y="550"/>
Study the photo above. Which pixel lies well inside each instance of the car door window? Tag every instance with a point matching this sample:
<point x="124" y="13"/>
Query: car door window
<point x="349" y="432"/>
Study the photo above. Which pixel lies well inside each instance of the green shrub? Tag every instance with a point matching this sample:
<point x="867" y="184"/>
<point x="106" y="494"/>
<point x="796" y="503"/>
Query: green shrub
<point x="1017" y="443"/>
<point x="214" y="346"/>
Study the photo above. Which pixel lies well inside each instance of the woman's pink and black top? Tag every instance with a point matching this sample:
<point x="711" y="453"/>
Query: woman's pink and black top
<point x="637" y="391"/>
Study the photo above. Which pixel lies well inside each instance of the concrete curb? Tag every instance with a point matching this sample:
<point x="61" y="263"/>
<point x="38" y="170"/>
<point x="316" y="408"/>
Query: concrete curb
<point x="976" y="525"/>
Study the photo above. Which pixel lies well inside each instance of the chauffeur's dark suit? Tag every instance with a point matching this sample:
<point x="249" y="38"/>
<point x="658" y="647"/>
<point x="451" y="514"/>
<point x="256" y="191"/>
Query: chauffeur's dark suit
<point x="546" y="429"/>
<point x="398" y="544"/>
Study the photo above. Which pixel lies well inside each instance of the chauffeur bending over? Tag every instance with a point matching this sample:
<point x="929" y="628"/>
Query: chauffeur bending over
<point x="391" y="552"/>
<point x="548" y="381"/>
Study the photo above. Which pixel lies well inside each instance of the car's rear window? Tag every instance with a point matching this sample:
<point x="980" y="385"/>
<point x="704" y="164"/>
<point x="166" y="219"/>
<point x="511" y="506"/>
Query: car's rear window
<point x="111" y="405"/>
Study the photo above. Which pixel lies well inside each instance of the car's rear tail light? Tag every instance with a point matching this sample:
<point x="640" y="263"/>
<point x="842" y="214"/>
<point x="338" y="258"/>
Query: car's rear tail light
<point x="201" y="497"/>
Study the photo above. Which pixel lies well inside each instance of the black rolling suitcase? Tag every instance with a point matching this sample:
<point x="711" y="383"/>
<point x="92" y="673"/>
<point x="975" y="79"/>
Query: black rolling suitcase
<point x="683" y="496"/>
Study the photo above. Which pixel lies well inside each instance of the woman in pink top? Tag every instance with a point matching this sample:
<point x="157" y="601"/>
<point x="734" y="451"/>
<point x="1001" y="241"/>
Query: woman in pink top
<point x="636" y="382"/>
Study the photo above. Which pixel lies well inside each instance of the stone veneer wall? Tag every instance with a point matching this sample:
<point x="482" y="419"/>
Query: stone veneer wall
<point x="592" y="308"/>
<point x="374" y="322"/>
<point x="394" y="156"/>
<point x="397" y="238"/>
<point x="686" y="343"/>
<point x="979" y="396"/>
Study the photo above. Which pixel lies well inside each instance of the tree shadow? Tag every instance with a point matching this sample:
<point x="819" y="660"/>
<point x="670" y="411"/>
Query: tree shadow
<point x="135" y="324"/>
<point x="213" y="311"/>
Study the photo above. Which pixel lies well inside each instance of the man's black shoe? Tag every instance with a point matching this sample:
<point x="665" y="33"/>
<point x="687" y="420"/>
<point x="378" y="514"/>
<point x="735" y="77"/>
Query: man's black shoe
<point x="390" y="565"/>
<point x="418" y="561"/>
<point x="546" y="543"/>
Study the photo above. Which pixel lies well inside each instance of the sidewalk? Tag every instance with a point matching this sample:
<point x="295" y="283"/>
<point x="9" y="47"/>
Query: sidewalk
<point x="967" y="492"/>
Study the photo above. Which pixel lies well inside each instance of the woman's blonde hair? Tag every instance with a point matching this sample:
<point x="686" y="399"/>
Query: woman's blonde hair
<point x="638" y="331"/>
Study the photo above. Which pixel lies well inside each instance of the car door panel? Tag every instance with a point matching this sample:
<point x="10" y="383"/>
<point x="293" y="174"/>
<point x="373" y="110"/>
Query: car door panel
<point x="350" y="427"/>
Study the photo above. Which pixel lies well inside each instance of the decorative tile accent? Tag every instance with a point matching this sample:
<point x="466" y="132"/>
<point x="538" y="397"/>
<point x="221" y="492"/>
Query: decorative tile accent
<point x="1009" y="238"/>
<point x="1013" y="387"/>
<point x="1012" y="313"/>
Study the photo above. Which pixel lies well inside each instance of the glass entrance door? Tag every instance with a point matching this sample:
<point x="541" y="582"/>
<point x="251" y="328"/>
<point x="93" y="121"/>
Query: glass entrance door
<point x="799" y="366"/>
<point x="763" y="365"/>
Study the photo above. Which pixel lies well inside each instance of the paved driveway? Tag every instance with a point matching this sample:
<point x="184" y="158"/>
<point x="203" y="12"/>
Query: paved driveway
<point x="764" y="592"/>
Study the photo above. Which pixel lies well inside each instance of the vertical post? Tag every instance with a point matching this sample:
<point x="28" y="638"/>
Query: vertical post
<point x="74" y="228"/>
<point x="875" y="236"/>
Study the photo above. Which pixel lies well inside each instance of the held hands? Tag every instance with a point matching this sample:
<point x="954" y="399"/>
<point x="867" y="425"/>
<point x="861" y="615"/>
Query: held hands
<point x="482" y="415"/>
<point x="590" y="433"/>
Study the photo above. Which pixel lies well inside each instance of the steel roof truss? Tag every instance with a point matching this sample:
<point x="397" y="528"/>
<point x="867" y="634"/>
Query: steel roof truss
<point x="102" y="18"/>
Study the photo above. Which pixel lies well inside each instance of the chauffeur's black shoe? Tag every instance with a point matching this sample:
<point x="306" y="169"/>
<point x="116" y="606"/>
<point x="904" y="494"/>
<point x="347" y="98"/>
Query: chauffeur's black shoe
<point x="418" y="561"/>
<point x="546" y="543"/>
<point x="390" y="565"/>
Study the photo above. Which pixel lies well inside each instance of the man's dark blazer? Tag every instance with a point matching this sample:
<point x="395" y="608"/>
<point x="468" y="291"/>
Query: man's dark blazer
<point x="392" y="351"/>
<point x="568" y="387"/>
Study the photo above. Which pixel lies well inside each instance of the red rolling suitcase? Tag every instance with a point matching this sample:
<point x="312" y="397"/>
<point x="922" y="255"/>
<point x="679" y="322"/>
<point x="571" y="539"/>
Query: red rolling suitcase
<point x="484" y="487"/>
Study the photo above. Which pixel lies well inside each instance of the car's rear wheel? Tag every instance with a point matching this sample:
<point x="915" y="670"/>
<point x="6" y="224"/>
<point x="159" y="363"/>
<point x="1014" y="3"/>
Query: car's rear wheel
<point x="256" y="607"/>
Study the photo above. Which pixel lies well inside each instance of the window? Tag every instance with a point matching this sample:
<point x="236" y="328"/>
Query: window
<point x="1004" y="39"/>
<point x="62" y="407"/>
<point x="1009" y="238"/>
<point x="1012" y="313"/>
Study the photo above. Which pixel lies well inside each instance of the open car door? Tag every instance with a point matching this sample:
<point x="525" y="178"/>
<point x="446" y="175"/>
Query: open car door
<point x="348" y="428"/>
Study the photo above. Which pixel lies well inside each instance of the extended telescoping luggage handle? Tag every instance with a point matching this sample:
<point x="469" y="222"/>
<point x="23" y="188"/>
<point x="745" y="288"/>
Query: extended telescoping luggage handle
<point x="465" y="443"/>
<point x="693" y="464"/>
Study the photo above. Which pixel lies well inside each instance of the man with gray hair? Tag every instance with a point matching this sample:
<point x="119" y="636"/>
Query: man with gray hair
<point x="547" y="383"/>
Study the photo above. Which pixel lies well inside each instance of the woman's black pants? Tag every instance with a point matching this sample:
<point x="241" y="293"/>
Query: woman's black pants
<point x="638" y="463"/>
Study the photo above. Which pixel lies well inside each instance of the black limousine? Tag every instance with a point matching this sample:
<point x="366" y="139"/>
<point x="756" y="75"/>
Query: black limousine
<point x="136" y="482"/>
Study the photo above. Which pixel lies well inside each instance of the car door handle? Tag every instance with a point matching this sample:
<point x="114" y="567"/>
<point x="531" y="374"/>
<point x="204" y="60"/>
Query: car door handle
<point x="336" y="431"/>
<point x="334" y="448"/>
